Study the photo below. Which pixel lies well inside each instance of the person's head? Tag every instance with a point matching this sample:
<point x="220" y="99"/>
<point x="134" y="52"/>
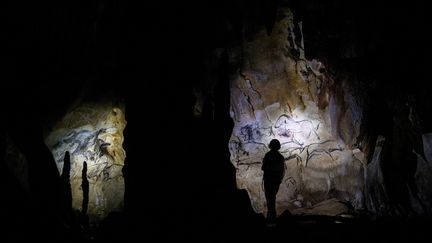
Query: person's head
<point x="274" y="144"/>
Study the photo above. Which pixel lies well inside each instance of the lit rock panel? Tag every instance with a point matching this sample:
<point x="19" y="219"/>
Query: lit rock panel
<point x="277" y="93"/>
<point x="92" y="133"/>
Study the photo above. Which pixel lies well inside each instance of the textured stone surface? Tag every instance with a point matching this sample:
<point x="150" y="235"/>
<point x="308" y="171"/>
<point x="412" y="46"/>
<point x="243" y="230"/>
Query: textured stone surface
<point x="331" y="207"/>
<point x="93" y="133"/>
<point x="277" y="93"/>
<point x="17" y="163"/>
<point x="423" y="175"/>
<point x="376" y="196"/>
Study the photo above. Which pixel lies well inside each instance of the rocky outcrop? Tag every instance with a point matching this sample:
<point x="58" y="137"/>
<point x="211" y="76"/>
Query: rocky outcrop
<point x="17" y="164"/>
<point x="277" y="93"/>
<point x="423" y="175"/>
<point x="93" y="134"/>
<point x="375" y="191"/>
<point x="331" y="207"/>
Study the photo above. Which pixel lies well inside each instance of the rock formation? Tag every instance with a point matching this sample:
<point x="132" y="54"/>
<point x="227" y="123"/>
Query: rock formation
<point x="92" y="133"/>
<point x="277" y="93"/>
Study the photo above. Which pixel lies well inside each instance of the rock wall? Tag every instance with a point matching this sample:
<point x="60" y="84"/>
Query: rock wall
<point x="376" y="196"/>
<point x="423" y="175"/>
<point x="17" y="163"/>
<point x="92" y="133"/>
<point x="277" y="93"/>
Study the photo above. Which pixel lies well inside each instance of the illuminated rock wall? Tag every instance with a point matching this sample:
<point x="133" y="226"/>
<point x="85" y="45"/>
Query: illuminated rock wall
<point x="93" y="133"/>
<point x="277" y="93"/>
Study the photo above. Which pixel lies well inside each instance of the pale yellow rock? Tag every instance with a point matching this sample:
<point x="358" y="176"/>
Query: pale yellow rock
<point x="277" y="93"/>
<point x="93" y="133"/>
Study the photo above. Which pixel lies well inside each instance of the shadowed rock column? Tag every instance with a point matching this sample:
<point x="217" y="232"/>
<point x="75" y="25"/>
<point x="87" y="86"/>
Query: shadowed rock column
<point x="85" y="188"/>
<point x="66" y="189"/>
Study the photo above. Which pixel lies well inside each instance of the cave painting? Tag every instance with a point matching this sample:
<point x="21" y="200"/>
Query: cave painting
<point x="93" y="135"/>
<point x="278" y="94"/>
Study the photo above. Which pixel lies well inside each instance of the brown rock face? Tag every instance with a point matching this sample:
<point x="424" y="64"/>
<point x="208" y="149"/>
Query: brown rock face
<point x="92" y="133"/>
<point x="277" y="93"/>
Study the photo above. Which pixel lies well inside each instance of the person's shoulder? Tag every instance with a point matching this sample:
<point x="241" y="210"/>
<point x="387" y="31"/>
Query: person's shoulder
<point x="269" y="152"/>
<point x="280" y="155"/>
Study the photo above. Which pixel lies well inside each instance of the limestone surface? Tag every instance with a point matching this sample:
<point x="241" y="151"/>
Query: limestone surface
<point x="277" y="93"/>
<point x="92" y="133"/>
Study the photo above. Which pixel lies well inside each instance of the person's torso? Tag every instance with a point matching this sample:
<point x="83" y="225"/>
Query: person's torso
<point x="274" y="162"/>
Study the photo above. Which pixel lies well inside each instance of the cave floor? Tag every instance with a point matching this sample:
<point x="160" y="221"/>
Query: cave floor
<point x="287" y="229"/>
<point x="218" y="227"/>
<point x="340" y="229"/>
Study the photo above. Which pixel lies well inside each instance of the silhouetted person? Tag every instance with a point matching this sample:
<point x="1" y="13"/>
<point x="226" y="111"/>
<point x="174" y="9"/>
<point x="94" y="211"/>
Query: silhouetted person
<point x="85" y="189"/>
<point x="274" y="169"/>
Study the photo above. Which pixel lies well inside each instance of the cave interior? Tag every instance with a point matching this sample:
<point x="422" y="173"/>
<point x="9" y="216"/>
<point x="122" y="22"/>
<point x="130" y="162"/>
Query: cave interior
<point x="185" y="85"/>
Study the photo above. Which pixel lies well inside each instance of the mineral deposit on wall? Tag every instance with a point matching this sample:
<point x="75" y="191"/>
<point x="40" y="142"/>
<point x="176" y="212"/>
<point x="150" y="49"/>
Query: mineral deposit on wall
<point x="93" y="133"/>
<point x="278" y="93"/>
